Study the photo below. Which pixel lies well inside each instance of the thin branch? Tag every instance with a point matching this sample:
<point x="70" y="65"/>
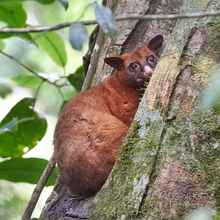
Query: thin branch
<point x="35" y="29"/>
<point x="21" y="64"/>
<point x="44" y="79"/>
<point x="93" y="61"/>
<point x="37" y="93"/>
<point x="38" y="189"/>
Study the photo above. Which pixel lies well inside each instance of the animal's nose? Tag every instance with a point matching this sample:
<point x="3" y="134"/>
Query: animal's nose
<point x="148" y="70"/>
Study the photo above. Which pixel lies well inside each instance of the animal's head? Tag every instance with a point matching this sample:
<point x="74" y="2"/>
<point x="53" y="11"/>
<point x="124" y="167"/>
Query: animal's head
<point x="138" y="66"/>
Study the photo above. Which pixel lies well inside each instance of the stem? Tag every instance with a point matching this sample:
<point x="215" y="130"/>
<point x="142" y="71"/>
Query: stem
<point x="38" y="189"/>
<point x="31" y="70"/>
<point x="21" y="64"/>
<point x="149" y="17"/>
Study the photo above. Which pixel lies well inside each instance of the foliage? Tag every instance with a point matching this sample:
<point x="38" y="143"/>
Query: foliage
<point x="5" y="90"/>
<point x="54" y="46"/>
<point x="27" y="80"/>
<point x="78" y="35"/>
<point x="24" y="170"/>
<point x="12" y="203"/>
<point x="105" y="19"/>
<point x="76" y="79"/>
<point x="23" y="127"/>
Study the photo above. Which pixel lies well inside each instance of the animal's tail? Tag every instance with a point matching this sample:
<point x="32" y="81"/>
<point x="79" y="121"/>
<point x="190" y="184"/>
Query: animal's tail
<point x="63" y="204"/>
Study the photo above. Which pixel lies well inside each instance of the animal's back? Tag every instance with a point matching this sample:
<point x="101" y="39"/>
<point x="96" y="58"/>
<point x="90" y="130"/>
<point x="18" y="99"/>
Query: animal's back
<point x="86" y="141"/>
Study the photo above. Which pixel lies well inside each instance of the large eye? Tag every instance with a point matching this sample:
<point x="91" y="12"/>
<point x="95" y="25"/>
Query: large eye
<point x="151" y="60"/>
<point x="134" y="67"/>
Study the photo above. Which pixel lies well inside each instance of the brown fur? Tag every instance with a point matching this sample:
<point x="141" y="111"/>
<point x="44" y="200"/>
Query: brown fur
<point x="92" y="126"/>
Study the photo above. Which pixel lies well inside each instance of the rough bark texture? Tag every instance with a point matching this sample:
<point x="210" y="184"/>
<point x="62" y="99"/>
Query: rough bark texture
<point x="169" y="164"/>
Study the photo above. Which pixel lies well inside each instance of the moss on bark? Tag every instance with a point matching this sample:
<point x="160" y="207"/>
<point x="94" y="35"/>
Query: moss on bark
<point x="169" y="164"/>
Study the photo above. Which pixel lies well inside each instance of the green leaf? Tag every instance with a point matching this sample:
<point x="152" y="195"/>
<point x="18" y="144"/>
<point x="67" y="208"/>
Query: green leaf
<point x="78" y="35"/>
<point x="68" y="92"/>
<point x="26" y="80"/>
<point x="105" y="19"/>
<point x="5" y="90"/>
<point x="40" y="1"/>
<point x="76" y="79"/>
<point x="13" y="14"/>
<point x="26" y="170"/>
<point x="21" y="129"/>
<point x="54" y="46"/>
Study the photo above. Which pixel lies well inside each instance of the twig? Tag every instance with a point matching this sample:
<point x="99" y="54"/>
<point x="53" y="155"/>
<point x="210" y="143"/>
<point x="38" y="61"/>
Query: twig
<point x="37" y="93"/>
<point x="93" y="60"/>
<point x="44" y="79"/>
<point x="38" y="189"/>
<point x="35" y="29"/>
<point x="21" y="64"/>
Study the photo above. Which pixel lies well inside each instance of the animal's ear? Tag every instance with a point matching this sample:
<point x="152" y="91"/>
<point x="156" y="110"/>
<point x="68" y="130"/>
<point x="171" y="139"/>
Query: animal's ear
<point x="115" y="62"/>
<point x="155" y="43"/>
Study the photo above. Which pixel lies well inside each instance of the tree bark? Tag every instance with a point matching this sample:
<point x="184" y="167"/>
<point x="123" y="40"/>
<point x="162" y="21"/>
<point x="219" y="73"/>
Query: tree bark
<point x="168" y="164"/>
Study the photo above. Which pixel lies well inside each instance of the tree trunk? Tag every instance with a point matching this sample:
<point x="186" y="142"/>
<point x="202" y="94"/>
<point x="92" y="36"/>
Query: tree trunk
<point x="168" y="164"/>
